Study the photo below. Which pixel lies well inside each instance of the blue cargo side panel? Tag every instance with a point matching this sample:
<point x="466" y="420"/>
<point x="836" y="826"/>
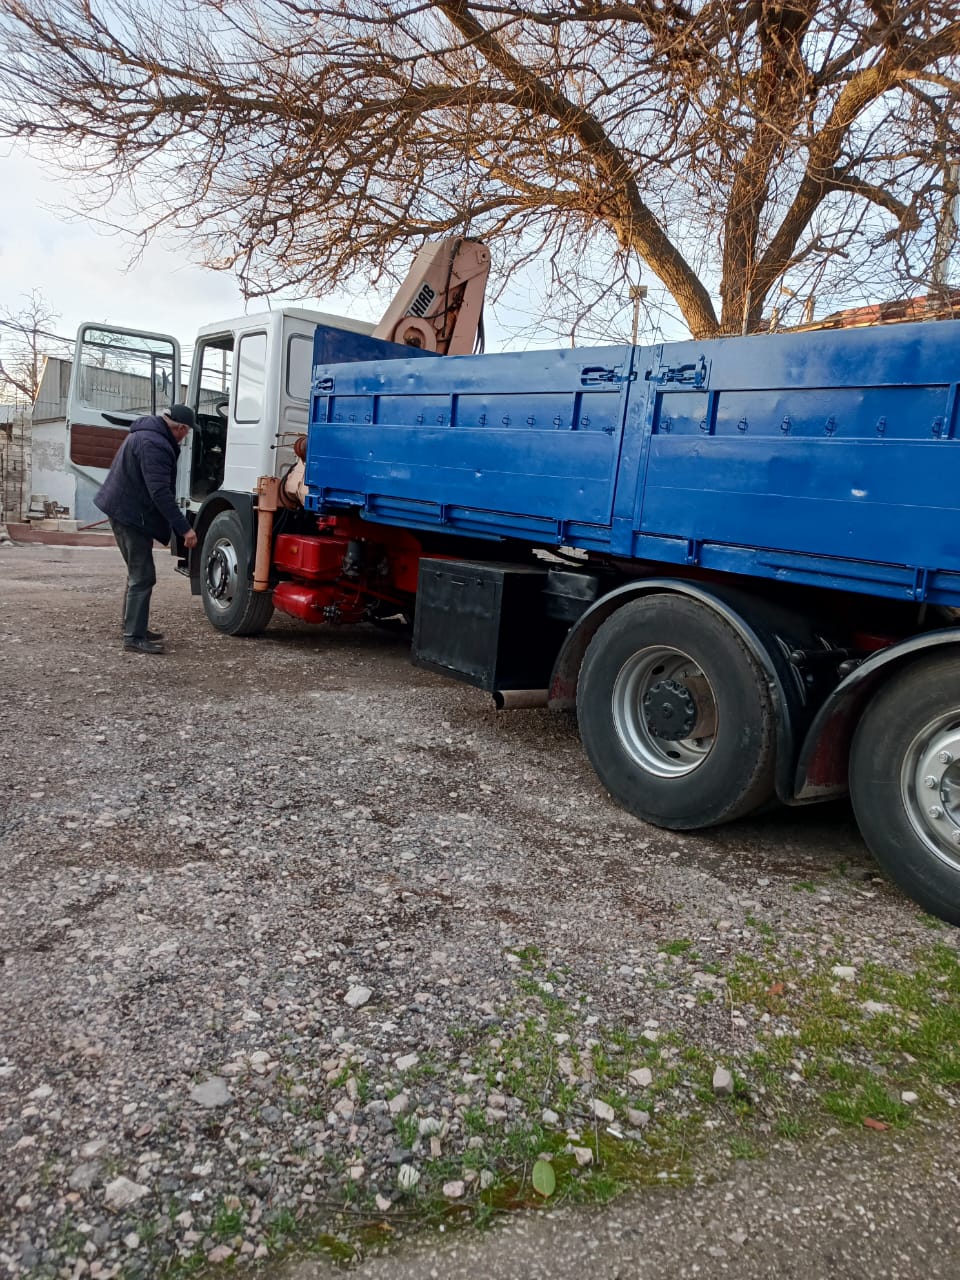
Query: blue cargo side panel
<point x="840" y="446"/>
<point x="522" y="445"/>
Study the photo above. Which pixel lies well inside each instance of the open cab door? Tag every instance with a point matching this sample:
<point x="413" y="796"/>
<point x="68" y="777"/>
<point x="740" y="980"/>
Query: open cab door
<point x="118" y="375"/>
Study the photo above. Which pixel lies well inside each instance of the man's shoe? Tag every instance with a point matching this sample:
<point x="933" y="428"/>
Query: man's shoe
<point x="154" y="635"/>
<point x="140" y="644"/>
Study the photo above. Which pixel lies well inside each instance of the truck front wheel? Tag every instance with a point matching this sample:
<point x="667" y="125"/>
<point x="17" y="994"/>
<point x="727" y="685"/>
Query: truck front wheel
<point x="229" y="600"/>
<point x="676" y="716"/>
<point x="905" y="782"/>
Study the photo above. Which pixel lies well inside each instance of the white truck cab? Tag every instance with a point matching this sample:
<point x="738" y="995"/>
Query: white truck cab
<point x="249" y="386"/>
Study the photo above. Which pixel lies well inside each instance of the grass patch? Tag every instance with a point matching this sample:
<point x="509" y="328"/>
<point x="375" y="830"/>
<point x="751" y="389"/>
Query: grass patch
<point x="861" y="1043"/>
<point x="227" y="1222"/>
<point x="408" y="1129"/>
<point x="679" y="947"/>
<point x="743" y="1148"/>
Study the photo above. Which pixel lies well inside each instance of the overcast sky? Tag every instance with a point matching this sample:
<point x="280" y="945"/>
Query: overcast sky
<point x="83" y="272"/>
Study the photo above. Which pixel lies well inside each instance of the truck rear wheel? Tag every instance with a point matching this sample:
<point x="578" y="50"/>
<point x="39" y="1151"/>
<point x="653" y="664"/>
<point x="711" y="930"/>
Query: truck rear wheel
<point x="676" y="716"/>
<point x="905" y="782"/>
<point x="229" y="600"/>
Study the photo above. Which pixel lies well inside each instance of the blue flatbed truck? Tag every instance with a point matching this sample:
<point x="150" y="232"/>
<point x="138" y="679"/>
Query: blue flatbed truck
<point x="737" y="560"/>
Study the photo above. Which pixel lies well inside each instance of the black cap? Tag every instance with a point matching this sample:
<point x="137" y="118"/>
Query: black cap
<point x="181" y="413"/>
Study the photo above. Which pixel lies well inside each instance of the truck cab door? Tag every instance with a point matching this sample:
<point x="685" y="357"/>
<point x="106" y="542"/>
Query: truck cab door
<point x="203" y="457"/>
<point x="233" y="389"/>
<point x="118" y="375"/>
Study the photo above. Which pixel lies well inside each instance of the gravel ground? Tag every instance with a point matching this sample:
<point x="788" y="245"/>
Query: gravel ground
<point x="272" y="912"/>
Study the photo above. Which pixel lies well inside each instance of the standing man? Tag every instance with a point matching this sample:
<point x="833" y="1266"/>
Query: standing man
<point x="139" y="497"/>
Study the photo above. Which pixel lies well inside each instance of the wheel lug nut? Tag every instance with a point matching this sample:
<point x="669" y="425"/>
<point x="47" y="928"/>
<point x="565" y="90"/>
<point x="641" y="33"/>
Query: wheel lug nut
<point x="930" y="781"/>
<point x="935" y="811"/>
<point x="945" y="757"/>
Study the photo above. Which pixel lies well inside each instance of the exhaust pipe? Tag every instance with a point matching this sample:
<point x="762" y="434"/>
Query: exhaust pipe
<point x="517" y="699"/>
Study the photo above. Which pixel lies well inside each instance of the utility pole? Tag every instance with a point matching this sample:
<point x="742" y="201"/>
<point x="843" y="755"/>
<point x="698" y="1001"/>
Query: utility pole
<point x="637" y="294"/>
<point x="946" y="239"/>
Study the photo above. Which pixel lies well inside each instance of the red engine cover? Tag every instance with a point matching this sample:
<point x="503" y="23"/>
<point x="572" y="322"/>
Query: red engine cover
<point x="309" y="557"/>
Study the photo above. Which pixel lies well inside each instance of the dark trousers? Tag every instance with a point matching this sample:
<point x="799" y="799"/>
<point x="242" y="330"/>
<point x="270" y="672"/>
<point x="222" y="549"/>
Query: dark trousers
<point x="136" y="547"/>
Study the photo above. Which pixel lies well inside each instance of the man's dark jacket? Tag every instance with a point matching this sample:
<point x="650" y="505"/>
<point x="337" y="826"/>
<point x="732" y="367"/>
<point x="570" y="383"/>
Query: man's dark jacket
<point x="140" y="487"/>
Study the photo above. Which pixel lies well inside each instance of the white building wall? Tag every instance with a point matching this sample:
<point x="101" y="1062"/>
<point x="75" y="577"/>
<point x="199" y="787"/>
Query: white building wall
<point x="50" y="475"/>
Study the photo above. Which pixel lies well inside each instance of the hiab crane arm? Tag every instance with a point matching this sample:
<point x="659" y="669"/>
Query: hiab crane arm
<point x="439" y="307"/>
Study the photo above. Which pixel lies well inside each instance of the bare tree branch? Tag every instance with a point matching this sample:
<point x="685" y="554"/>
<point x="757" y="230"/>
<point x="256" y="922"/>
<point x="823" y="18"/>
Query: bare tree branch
<point x="729" y="148"/>
<point x="24" y="336"/>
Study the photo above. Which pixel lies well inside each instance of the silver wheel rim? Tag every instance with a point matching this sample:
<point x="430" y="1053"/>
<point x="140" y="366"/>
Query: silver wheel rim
<point x="222" y="574"/>
<point x="641" y="695"/>
<point x="930" y="787"/>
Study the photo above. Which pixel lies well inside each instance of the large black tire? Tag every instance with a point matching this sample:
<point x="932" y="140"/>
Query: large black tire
<point x="676" y="716"/>
<point x="229" y="600"/>
<point x="905" y="782"/>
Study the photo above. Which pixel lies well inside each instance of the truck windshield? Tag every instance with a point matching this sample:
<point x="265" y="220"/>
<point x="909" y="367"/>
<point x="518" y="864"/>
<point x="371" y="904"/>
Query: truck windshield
<point x="129" y="374"/>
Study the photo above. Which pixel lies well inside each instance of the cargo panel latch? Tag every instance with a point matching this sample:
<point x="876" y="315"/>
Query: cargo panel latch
<point x="695" y="374"/>
<point x="598" y="376"/>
